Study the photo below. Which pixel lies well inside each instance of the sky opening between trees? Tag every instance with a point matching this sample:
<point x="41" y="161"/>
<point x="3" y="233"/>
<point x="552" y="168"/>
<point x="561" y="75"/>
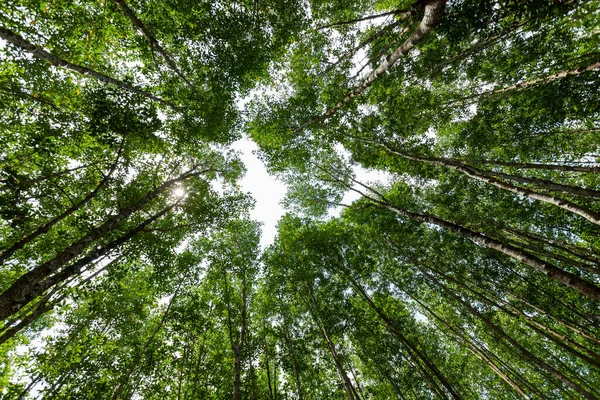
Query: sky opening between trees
<point x="130" y="265"/>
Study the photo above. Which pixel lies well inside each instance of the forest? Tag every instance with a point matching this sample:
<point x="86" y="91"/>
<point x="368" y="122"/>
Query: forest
<point x="130" y="264"/>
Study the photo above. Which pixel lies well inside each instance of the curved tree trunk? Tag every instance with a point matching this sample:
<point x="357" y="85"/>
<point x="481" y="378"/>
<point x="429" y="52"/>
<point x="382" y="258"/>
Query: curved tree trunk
<point x="48" y="225"/>
<point x="139" y="25"/>
<point x="432" y="16"/>
<point x="39" y="52"/>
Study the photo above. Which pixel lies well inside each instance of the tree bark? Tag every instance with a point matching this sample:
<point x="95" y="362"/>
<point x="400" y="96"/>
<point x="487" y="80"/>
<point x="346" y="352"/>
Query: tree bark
<point x="489" y="177"/>
<point x="42" y="54"/>
<point x="585" y="288"/>
<point x="479" y="353"/>
<point x="36" y="282"/>
<point x="348" y="387"/>
<point x="48" y="225"/>
<point x="432" y="16"/>
<point x="430" y="365"/>
<point x="367" y="18"/>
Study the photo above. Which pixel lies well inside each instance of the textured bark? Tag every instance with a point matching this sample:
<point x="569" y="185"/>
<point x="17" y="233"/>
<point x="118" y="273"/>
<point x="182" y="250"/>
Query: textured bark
<point x="549" y="167"/>
<point x="489" y="177"/>
<point x="585" y="288"/>
<point x="39" y="52"/>
<point x="48" y="225"/>
<point x="29" y="291"/>
<point x="544" y="183"/>
<point x="45" y="305"/>
<point x="432" y="16"/>
<point x="20" y="292"/>
<point x="139" y="25"/>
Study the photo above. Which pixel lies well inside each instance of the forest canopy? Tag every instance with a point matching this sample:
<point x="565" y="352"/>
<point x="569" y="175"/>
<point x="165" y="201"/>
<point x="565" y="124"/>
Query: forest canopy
<point x="130" y="266"/>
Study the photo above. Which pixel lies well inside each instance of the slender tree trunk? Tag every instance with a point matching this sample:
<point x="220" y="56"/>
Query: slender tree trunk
<point x="543" y="80"/>
<point x="367" y="18"/>
<point x="585" y="288"/>
<point x="139" y="25"/>
<point x="348" y="387"/>
<point x="558" y="257"/>
<point x="390" y="325"/>
<point x="542" y="329"/>
<point x="46" y="305"/>
<point x="48" y="225"/>
<point x="39" y="52"/>
<point x="268" y="367"/>
<point x="288" y="337"/>
<point x="489" y="177"/>
<point x="527" y="355"/>
<point x="479" y="353"/>
<point x="432" y="16"/>
<point x="574" y="250"/>
<point x="20" y="292"/>
<point x="23" y="291"/>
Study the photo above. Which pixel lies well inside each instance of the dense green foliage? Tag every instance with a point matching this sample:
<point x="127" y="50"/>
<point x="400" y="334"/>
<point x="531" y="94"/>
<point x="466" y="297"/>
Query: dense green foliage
<point x="129" y="264"/>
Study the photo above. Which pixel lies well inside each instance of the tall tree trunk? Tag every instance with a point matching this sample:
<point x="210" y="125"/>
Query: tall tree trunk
<point x="585" y="288"/>
<point x="295" y="370"/>
<point x="490" y="178"/>
<point x="139" y="25"/>
<point x="138" y="357"/>
<point x="526" y="354"/>
<point x="390" y="325"/>
<point x="577" y="251"/>
<point x="48" y="225"/>
<point x="46" y="305"/>
<point x="348" y="387"/>
<point x="546" y="331"/>
<point x="478" y="352"/>
<point x="573" y="281"/>
<point x="432" y="16"/>
<point x="23" y="291"/>
<point x="367" y="18"/>
<point x="543" y="80"/>
<point x="39" y="52"/>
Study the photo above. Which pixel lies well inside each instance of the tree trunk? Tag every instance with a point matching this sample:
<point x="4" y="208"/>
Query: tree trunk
<point x="489" y="177"/>
<point x="40" y="53"/>
<point x="125" y="380"/>
<point x="348" y="387"/>
<point x="430" y="365"/>
<point x="26" y="289"/>
<point x="139" y="25"/>
<point x="526" y="354"/>
<point x="432" y="16"/>
<point x="48" y="225"/>
<point x="479" y="353"/>
<point x="367" y="18"/>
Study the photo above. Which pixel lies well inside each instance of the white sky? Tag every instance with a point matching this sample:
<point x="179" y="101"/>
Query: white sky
<point x="269" y="191"/>
<point x="266" y="190"/>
